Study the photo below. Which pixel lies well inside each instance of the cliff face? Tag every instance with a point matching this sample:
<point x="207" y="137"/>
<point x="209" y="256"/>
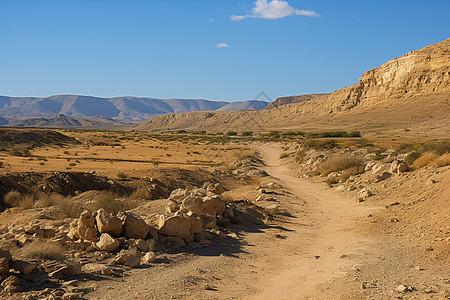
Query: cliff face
<point x="418" y="72"/>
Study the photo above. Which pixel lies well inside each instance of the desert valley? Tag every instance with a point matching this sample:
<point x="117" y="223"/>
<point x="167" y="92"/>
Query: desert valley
<point x="322" y="196"/>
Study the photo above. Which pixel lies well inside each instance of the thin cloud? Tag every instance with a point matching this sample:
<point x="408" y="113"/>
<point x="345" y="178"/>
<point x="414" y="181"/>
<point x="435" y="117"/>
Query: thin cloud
<point x="211" y="20"/>
<point x="222" y="45"/>
<point x="275" y="9"/>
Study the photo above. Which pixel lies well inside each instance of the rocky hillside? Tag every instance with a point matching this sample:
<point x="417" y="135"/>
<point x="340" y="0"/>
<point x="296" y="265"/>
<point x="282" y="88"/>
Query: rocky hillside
<point x="121" y="109"/>
<point x="293" y="99"/>
<point x="410" y="93"/>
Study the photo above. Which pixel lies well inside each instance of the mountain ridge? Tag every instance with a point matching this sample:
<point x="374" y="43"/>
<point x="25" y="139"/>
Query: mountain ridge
<point x="121" y="109"/>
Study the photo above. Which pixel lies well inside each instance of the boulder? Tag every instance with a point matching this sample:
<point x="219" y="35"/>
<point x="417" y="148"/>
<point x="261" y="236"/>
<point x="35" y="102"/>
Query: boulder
<point x="210" y="205"/>
<point x="149" y="257"/>
<point x="135" y="227"/>
<point x="177" y="226"/>
<point x="107" y="243"/>
<point x="69" y="270"/>
<point x="84" y="228"/>
<point x="107" y="223"/>
<point x="128" y="260"/>
<point x="364" y="193"/>
<point x="394" y="166"/>
<point x="142" y="245"/>
<point x="172" y="206"/>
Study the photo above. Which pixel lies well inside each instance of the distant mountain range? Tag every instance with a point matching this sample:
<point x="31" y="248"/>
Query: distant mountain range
<point x="88" y="111"/>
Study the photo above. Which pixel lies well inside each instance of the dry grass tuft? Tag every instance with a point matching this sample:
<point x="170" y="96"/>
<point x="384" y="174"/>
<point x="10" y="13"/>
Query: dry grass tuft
<point x="425" y="159"/>
<point x="443" y="160"/>
<point x="44" y="250"/>
<point x="246" y="154"/>
<point x="16" y="199"/>
<point x="112" y="202"/>
<point x="340" y="163"/>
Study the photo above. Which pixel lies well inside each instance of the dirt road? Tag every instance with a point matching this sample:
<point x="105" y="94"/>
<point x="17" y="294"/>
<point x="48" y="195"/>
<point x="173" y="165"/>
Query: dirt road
<point x="324" y="248"/>
<point x="311" y="255"/>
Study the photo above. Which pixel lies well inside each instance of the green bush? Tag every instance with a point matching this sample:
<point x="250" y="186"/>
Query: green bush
<point x="247" y="133"/>
<point x="231" y="133"/>
<point x="321" y="144"/>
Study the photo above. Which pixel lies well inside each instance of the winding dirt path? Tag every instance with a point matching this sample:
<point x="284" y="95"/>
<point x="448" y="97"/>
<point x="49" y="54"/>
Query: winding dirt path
<point x="324" y="249"/>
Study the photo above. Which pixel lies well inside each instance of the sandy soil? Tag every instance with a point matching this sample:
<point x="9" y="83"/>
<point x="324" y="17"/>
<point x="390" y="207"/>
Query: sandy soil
<point x="291" y="258"/>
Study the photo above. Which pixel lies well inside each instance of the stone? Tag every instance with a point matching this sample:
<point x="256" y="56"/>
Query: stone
<point x="177" y="226"/>
<point x="228" y="213"/>
<point x="175" y="241"/>
<point x="149" y="257"/>
<point x="95" y="268"/>
<point x="216" y="188"/>
<point x="382" y="176"/>
<point x="24" y="267"/>
<point x="142" y="245"/>
<point x="403" y="289"/>
<point x="402" y="168"/>
<point x="394" y="166"/>
<point x="69" y="270"/>
<point x="107" y="243"/>
<point x="177" y="195"/>
<point x="364" y="193"/>
<point x="107" y="223"/>
<point x="272" y="209"/>
<point x="172" y="206"/>
<point x="129" y="260"/>
<point x="196" y="224"/>
<point x="84" y="228"/>
<point x="210" y="205"/>
<point x="135" y="227"/>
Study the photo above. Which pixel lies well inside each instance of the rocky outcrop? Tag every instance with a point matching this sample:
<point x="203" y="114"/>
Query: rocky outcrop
<point x="292" y="99"/>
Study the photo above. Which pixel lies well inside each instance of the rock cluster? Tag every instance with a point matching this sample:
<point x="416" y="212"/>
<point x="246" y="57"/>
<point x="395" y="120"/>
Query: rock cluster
<point x="191" y="212"/>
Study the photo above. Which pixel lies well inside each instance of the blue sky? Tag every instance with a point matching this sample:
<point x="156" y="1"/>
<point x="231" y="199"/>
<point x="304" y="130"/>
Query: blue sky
<point x="211" y="49"/>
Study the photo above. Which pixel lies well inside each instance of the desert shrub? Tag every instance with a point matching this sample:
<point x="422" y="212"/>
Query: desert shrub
<point x="247" y="133"/>
<point x="443" y="160"/>
<point x="231" y="133"/>
<point x="411" y="157"/>
<point x="299" y="155"/>
<point x="46" y="200"/>
<point x="72" y="164"/>
<point x="1" y="164"/>
<point x="122" y="175"/>
<point x="321" y="144"/>
<point x="43" y="250"/>
<point x="112" y="203"/>
<point x="181" y="131"/>
<point x="16" y="199"/>
<point x="340" y="163"/>
<point x="425" y="159"/>
<point x="68" y="207"/>
<point x="438" y="147"/>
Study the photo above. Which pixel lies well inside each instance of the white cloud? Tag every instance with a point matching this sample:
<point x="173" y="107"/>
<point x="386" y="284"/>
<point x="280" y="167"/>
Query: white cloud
<point x="275" y="9"/>
<point x="211" y="20"/>
<point x="222" y="45"/>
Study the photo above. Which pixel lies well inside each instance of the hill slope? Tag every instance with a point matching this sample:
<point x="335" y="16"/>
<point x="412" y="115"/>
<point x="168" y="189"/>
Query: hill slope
<point x="122" y="109"/>
<point x="410" y="92"/>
